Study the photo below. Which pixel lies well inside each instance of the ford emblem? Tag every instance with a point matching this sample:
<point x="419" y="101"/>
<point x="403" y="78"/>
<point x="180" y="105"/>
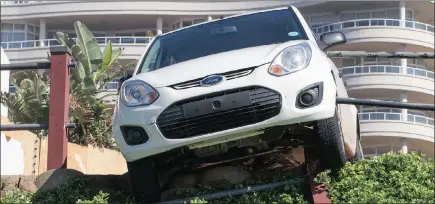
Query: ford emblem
<point x="212" y="80"/>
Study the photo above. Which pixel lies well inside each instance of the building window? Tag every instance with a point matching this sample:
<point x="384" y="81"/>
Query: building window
<point x="186" y="23"/>
<point x="196" y="21"/>
<point x="347" y="62"/>
<point x="394" y="14"/>
<point x="347" y="16"/>
<point x="18" y="32"/>
<point x="316" y="19"/>
<point x="365" y="15"/>
<point x="379" y="14"/>
<point x="409" y="15"/>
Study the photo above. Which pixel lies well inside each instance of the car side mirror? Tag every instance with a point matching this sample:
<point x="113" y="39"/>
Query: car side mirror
<point x="122" y="79"/>
<point x="332" y="38"/>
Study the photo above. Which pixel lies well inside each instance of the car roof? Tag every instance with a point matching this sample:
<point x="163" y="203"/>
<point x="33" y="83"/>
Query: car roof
<point x="229" y="17"/>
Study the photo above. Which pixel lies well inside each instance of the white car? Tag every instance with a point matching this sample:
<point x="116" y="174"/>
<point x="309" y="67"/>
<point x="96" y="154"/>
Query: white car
<point x="228" y="85"/>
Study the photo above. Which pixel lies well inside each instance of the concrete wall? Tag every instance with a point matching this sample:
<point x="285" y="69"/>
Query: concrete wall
<point x="89" y="160"/>
<point x="17" y="151"/>
<point x="4" y="81"/>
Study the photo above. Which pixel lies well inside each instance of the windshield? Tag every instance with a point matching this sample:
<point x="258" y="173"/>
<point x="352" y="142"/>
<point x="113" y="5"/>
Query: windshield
<point x="225" y="35"/>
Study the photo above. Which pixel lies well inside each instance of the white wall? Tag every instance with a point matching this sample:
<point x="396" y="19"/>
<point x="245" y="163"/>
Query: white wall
<point x="12" y="156"/>
<point x="4" y="81"/>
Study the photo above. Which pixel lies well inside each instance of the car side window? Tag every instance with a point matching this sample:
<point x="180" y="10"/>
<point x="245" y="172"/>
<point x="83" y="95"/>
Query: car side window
<point x="150" y="61"/>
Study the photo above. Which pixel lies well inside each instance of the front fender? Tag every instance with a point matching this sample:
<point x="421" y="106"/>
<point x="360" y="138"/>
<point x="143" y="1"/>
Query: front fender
<point x="349" y="125"/>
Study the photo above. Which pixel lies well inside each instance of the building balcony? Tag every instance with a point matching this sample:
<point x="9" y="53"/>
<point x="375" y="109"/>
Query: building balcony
<point x="32" y="51"/>
<point x="109" y="93"/>
<point x="388" y="77"/>
<point x="382" y="30"/>
<point x="53" y="9"/>
<point x="412" y="126"/>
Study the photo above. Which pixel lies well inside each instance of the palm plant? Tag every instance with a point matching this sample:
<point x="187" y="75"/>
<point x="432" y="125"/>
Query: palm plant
<point x="30" y="102"/>
<point x="93" y="70"/>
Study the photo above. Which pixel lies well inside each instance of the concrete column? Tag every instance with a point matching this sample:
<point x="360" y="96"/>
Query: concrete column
<point x="404" y="146"/>
<point x="402" y="13"/>
<point x="362" y="61"/>
<point x="159" y="25"/>
<point x="209" y="18"/>
<point x="404" y="99"/>
<point x="404" y="62"/>
<point x="42" y="32"/>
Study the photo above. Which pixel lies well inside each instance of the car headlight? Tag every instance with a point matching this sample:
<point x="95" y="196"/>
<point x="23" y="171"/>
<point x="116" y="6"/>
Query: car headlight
<point x="291" y="59"/>
<point x="137" y="93"/>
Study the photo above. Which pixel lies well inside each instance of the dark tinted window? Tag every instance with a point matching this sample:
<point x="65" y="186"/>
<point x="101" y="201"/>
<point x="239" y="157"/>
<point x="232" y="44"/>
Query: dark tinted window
<point x="252" y="30"/>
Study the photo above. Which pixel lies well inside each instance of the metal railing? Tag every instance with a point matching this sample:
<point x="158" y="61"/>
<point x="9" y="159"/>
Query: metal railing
<point x="110" y="86"/>
<point x="53" y="42"/>
<point x="387" y="69"/>
<point x="397" y="117"/>
<point x="19" y="2"/>
<point x="371" y="22"/>
<point x="12" y="89"/>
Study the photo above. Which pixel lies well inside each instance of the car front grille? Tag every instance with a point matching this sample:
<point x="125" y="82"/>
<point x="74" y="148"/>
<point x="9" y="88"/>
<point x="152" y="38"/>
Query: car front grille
<point x="264" y="104"/>
<point x="228" y="76"/>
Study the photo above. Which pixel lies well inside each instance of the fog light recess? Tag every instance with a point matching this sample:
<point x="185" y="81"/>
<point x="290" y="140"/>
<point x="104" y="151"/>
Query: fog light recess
<point x="310" y="96"/>
<point x="134" y="135"/>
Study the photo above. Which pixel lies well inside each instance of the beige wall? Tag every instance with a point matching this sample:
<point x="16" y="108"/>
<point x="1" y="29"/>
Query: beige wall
<point x="89" y="160"/>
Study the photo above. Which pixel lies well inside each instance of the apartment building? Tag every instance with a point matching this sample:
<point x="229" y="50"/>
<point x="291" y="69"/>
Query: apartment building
<point x="28" y="27"/>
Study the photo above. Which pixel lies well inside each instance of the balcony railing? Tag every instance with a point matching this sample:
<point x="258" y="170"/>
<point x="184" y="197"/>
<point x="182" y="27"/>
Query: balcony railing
<point x="397" y="117"/>
<point x="374" y="22"/>
<point x="12" y="89"/>
<point x="387" y="69"/>
<point x="110" y="86"/>
<point x="53" y="42"/>
<point x="18" y="2"/>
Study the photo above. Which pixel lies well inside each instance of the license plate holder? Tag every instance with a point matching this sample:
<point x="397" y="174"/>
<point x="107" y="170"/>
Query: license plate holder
<point x="216" y="104"/>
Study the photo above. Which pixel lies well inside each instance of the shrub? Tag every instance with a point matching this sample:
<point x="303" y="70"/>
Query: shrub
<point x="17" y="196"/>
<point x="391" y="178"/>
<point x="100" y="198"/>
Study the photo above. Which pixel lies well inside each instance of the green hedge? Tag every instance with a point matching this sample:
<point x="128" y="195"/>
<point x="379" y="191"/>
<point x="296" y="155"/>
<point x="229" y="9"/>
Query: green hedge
<point x="391" y="178"/>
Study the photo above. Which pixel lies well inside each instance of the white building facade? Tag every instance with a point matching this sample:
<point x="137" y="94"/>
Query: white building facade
<point x="28" y="27"/>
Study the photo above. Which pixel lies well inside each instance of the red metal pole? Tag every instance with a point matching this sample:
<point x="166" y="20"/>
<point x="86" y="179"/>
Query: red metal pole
<point x="58" y="108"/>
<point x="318" y="191"/>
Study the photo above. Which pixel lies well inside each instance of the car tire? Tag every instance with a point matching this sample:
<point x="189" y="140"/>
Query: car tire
<point x="144" y="182"/>
<point x="329" y="143"/>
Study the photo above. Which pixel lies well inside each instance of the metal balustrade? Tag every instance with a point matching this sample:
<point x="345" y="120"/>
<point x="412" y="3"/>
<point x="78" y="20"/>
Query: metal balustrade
<point x="373" y="22"/>
<point x="12" y="89"/>
<point x="397" y="117"/>
<point x="53" y="42"/>
<point x="19" y="2"/>
<point x="110" y="86"/>
<point x="353" y="70"/>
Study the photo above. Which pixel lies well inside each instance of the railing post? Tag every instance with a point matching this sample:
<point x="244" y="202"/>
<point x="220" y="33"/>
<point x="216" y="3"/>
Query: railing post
<point x="58" y="108"/>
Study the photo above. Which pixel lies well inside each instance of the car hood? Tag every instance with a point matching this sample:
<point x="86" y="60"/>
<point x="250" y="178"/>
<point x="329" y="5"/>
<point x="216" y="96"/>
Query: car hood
<point x="213" y="64"/>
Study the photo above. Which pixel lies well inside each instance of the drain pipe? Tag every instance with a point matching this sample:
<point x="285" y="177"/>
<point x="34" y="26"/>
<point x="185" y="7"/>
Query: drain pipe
<point x="237" y="192"/>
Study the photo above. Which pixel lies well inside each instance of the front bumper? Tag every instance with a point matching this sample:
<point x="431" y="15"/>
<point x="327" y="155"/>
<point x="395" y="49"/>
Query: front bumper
<point x="288" y="87"/>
